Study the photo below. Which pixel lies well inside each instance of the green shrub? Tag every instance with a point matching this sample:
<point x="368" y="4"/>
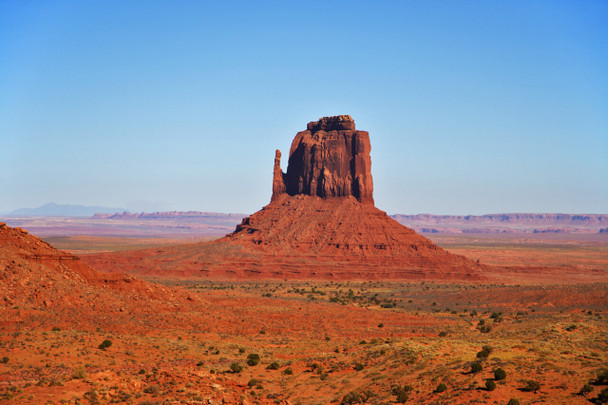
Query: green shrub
<point x="253" y="382"/>
<point x="490" y="385"/>
<point x="236" y="367"/>
<point x="476" y="367"/>
<point x="105" y="344"/>
<point x="288" y="371"/>
<point x="5" y="360"/>
<point x="55" y="329"/>
<point x="485" y="329"/>
<point x="402" y="397"/>
<point x="485" y="352"/>
<point x="357" y="397"/>
<point x="273" y="366"/>
<point x="253" y="359"/>
<point x="402" y="392"/>
<point x="358" y="366"/>
<point x="531" y="386"/>
<point x="441" y="388"/>
<point x="513" y="401"/>
<point x="500" y="374"/>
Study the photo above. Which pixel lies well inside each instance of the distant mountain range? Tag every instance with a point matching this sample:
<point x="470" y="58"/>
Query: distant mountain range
<point x="203" y="223"/>
<point x="63" y="210"/>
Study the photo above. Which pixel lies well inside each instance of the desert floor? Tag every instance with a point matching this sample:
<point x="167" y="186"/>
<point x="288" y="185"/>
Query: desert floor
<point x="326" y="341"/>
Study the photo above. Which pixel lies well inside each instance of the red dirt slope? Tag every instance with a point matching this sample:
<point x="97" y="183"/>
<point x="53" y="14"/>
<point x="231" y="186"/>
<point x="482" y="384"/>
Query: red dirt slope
<point x="34" y="275"/>
<point x="304" y="237"/>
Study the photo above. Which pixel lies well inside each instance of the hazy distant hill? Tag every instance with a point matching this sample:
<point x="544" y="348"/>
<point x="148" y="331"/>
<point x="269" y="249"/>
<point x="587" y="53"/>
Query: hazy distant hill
<point x="118" y="222"/>
<point x="505" y="223"/>
<point x="63" y="210"/>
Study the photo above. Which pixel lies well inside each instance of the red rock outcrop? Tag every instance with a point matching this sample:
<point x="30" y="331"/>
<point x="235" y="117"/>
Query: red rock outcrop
<point x="321" y="223"/>
<point x="329" y="159"/>
<point x="33" y="274"/>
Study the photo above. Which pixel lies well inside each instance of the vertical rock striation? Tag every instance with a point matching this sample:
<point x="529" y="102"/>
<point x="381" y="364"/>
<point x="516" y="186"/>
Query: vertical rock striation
<point x="329" y="159"/>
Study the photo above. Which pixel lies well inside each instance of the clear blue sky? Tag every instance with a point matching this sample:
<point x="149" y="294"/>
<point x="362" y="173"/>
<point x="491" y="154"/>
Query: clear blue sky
<point x="473" y="107"/>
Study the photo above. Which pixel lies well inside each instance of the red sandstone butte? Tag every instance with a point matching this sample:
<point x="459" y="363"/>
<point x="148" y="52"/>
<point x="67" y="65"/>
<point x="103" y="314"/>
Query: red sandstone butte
<point x="321" y="223"/>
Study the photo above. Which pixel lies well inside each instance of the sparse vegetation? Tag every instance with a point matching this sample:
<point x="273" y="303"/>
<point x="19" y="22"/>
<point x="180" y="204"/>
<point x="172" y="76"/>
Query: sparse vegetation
<point x="236" y="367"/>
<point x="476" y="367"/>
<point x="531" y="386"/>
<point x="441" y="388"/>
<point x="273" y="366"/>
<point x="500" y="374"/>
<point x="105" y="344"/>
<point x="253" y="359"/>
<point x="485" y="352"/>
<point x="181" y="363"/>
<point x="357" y="397"/>
<point x="402" y="393"/>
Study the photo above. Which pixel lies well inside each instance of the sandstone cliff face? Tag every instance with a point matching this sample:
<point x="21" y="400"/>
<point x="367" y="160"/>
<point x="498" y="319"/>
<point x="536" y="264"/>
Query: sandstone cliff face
<point x="329" y="159"/>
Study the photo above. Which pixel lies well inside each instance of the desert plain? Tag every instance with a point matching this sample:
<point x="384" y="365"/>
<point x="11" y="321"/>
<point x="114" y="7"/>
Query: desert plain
<point x="323" y="341"/>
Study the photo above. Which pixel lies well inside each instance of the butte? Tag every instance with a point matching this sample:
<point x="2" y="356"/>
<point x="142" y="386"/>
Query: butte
<point x="321" y="223"/>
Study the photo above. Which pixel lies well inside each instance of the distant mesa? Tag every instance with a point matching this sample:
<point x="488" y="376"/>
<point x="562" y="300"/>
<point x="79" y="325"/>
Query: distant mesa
<point x="188" y="215"/>
<point x="506" y="223"/>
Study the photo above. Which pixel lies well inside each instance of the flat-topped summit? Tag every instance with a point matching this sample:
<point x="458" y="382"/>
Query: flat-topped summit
<point x="335" y="123"/>
<point x="329" y="159"/>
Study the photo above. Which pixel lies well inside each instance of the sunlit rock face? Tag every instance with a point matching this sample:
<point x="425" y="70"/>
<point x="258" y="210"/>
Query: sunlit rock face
<point x="329" y="159"/>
